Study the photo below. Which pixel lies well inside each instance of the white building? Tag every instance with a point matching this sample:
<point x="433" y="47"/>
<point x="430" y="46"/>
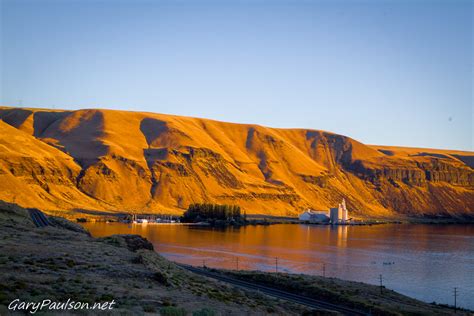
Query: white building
<point x="334" y="215"/>
<point x="314" y="216"/>
<point x="339" y="214"/>
<point x="344" y="210"/>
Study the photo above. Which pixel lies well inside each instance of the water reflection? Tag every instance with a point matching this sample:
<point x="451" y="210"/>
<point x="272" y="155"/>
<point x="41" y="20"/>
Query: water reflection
<point x="341" y="234"/>
<point x="421" y="257"/>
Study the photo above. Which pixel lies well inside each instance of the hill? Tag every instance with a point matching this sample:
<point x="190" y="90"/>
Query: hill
<point x="105" y="160"/>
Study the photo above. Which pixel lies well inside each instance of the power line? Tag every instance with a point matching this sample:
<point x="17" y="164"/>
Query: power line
<point x="381" y="285"/>
<point x="455" y="298"/>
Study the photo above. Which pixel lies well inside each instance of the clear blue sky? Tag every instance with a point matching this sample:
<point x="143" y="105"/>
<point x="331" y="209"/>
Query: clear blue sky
<point x="382" y="72"/>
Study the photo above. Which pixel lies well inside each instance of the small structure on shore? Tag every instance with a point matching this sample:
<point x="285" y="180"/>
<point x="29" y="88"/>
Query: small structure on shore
<point x="150" y="218"/>
<point x="339" y="215"/>
<point x="314" y="216"/>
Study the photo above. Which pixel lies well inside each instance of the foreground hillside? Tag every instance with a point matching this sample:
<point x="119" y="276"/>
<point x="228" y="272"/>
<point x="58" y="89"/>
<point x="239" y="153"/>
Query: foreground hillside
<point x="103" y="160"/>
<point x="63" y="262"/>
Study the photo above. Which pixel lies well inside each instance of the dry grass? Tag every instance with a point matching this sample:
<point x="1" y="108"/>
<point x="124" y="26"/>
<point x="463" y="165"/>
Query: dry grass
<point x="120" y="161"/>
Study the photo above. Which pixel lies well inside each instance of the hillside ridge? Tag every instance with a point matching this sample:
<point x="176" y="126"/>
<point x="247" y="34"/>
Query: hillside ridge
<point x="110" y="160"/>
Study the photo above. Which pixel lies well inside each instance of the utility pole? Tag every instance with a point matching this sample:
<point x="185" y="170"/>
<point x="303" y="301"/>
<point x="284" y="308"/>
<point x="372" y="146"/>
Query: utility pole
<point x="455" y="298"/>
<point x="237" y="263"/>
<point x="203" y="263"/>
<point x="276" y="264"/>
<point x="381" y="285"/>
<point x="324" y="269"/>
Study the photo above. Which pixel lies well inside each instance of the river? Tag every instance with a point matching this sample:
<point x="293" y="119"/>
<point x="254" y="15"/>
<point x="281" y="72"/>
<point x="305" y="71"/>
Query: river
<point x="422" y="261"/>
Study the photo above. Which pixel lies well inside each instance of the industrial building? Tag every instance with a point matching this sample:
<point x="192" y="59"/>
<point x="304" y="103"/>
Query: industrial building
<point x="339" y="215"/>
<point x="314" y="217"/>
<point x="336" y="215"/>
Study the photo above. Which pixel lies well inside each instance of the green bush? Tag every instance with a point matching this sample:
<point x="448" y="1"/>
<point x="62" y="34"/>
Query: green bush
<point x="172" y="311"/>
<point x="161" y="278"/>
<point x="149" y="309"/>
<point x="204" y="312"/>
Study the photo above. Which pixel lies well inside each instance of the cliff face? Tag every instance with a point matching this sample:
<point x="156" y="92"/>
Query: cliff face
<point x="130" y="161"/>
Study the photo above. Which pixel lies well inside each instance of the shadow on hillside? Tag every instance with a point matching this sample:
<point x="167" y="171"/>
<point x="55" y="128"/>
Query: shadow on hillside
<point x="14" y="117"/>
<point x="434" y="155"/>
<point x="387" y="152"/>
<point x="153" y="129"/>
<point x="468" y="160"/>
<point x="44" y="119"/>
<point x="81" y="141"/>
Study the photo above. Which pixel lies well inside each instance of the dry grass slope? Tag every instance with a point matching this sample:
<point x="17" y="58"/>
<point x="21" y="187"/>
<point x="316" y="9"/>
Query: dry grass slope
<point x="130" y="161"/>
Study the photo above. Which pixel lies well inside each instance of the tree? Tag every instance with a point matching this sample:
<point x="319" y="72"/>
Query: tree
<point x="211" y="211"/>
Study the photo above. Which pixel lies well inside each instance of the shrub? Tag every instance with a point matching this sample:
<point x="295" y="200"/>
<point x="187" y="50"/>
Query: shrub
<point x="161" y="278"/>
<point x="149" y="309"/>
<point x="107" y="297"/>
<point x="168" y="302"/>
<point x="204" y="312"/>
<point x="172" y="311"/>
<point x="270" y="310"/>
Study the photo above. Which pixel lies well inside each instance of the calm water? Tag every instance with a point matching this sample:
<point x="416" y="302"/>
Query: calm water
<point x="427" y="261"/>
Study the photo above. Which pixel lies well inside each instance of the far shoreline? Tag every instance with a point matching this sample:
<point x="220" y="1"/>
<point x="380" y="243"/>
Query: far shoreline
<point x="265" y="220"/>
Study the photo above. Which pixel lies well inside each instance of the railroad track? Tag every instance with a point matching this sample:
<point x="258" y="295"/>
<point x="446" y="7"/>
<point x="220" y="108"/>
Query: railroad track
<point x="303" y="300"/>
<point x="39" y="219"/>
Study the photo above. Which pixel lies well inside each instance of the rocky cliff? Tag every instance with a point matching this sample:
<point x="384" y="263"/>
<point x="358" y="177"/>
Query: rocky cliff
<point x="130" y="161"/>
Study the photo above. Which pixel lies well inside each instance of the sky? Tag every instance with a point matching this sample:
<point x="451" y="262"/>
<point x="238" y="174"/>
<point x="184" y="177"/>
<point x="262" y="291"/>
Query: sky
<point x="382" y="72"/>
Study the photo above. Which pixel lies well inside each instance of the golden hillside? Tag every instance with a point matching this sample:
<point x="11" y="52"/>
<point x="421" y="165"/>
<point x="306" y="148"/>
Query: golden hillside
<point x="145" y="162"/>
